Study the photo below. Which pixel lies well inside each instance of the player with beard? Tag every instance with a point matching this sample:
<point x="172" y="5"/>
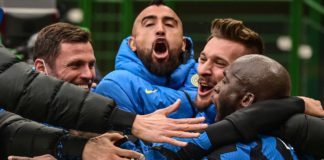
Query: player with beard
<point x="154" y="66"/>
<point x="140" y="84"/>
<point x="229" y="40"/>
<point x="240" y="88"/>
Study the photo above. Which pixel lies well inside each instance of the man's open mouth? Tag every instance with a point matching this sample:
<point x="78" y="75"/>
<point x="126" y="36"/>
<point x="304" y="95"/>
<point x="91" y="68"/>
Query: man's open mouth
<point x="204" y="88"/>
<point x="160" y="49"/>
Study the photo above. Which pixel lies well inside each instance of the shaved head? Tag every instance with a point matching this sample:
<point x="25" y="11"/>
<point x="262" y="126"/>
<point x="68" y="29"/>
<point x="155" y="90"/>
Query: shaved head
<point x="249" y="79"/>
<point x="151" y="10"/>
<point x="263" y="76"/>
<point x="157" y="39"/>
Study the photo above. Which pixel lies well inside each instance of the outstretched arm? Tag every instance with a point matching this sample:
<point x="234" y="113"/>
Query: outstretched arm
<point x="305" y="133"/>
<point x="242" y="125"/>
<point x="156" y="127"/>
<point x="265" y="116"/>
<point x="23" y="137"/>
<point x="46" y="99"/>
<point x="313" y="107"/>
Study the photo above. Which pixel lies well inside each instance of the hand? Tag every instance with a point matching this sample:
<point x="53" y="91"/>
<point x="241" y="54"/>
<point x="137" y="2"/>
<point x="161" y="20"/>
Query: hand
<point x="43" y="157"/>
<point x="103" y="148"/>
<point x="157" y="127"/>
<point x="313" y="107"/>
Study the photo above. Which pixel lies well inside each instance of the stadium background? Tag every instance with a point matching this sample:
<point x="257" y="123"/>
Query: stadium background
<point x="291" y="29"/>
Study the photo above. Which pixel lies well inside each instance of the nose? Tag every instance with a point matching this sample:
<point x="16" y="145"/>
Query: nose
<point x="88" y="73"/>
<point x="160" y="30"/>
<point x="204" y="69"/>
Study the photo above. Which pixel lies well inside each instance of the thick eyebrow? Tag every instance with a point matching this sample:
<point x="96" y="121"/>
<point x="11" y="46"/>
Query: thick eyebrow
<point x="148" y="18"/>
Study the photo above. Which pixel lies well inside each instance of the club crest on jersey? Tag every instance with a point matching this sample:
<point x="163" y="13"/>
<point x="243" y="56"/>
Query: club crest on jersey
<point x="194" y="80"/>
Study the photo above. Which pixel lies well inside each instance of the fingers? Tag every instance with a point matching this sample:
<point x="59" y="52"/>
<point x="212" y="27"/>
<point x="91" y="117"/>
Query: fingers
<point x="189" y="120"/>
<point x="166" y="137"/>
<point x="18" y="158"/>
<point x="186" y="127"/>
<point x="188" y="124"/>
<point x="129" y="154"/>
<point x="166" y="111"/>
<point x="313" y="107"/>
<point x="181" y="134"/>
<point x="113" y="137"/>
<point x="43" y="157"/>
<point x="173" y="141"/>
<point x="319" y="112"/>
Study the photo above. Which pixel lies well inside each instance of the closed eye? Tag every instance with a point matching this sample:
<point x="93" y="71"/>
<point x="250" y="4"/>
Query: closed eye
<point x="170" y="22"/>
<point x="202" y="58"/>
<point x="148" y="21"/>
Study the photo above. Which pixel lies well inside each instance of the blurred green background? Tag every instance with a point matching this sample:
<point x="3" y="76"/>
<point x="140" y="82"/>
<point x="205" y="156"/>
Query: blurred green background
<point x="292" y="30"/>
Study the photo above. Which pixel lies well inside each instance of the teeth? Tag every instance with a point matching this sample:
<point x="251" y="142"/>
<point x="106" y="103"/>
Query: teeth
<point x="204" y="84"/>
<point x="84" y="86"/>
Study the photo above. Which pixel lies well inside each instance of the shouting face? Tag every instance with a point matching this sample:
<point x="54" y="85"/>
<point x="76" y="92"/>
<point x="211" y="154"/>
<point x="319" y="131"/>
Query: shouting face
<point x="227" y="94"/>
<point x="215" y="57"/>
<point x="158" y="40"/>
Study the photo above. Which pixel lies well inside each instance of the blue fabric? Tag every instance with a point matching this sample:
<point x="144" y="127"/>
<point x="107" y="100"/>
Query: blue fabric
<point x="144" y="148"/>
<point x="209" y="113"/>
<point x="269" y="151"/>
<point x="240" y="150"/>
<point x="202" y="141"/>
<point x="136" y="90"/>
<point x="1" y="15"/>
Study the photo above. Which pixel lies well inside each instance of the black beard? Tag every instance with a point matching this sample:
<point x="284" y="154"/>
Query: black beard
<point x="163" y="68"/>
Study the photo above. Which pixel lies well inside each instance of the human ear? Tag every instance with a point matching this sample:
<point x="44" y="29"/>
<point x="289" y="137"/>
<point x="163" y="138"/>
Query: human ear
<point x="184" y="44"/>
<point x="39" y="65"/>
<point x="247" y="99"/>
<point x="131" y="43"/>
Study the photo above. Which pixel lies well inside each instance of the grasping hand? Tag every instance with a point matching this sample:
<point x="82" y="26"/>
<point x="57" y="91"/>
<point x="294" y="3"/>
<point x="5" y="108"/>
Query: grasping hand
<point x="313" y="107"/>
<point x="157" y="127"/>
<point x="102" y="148"/>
